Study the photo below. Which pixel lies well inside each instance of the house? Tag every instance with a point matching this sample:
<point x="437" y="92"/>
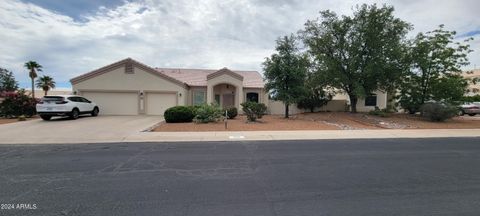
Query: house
<point x="39" y="93"/>
<point x="473" y="88"/>
<point x="128" y="87"/>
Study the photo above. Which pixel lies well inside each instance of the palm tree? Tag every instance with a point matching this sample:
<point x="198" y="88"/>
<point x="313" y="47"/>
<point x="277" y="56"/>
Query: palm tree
<point x="46" y="83"/>
<point x="33" y="66"/>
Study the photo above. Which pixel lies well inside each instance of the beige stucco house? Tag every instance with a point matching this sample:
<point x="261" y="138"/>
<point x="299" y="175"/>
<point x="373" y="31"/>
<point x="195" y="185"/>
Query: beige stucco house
<point x="473" y="88"/>
<point x="128" y="87"/>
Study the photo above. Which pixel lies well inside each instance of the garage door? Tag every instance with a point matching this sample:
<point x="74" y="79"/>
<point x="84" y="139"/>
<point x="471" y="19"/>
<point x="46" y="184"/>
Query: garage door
<point x="115" y="103"/>
<point x="157" y="103"/>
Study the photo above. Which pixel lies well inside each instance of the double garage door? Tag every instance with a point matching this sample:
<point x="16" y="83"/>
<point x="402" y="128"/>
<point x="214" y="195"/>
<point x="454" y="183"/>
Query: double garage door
<point x="129" y="103"/>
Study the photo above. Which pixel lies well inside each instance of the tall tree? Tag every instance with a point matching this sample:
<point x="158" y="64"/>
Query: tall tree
<point x="435" y="72"/>
<point x="285" y="72"/>
<point x="316" y="93"/>
<point x="7" y="81"/>
<point x="45" y="83"/>
<point x="358" y="54"/>
<point x="33" y="68"/>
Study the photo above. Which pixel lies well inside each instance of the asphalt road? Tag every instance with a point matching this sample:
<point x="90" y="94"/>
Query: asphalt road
<point x="328" y="177"/>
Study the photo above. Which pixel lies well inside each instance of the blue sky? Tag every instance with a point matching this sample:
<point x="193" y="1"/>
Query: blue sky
<point x="73" y="37"/>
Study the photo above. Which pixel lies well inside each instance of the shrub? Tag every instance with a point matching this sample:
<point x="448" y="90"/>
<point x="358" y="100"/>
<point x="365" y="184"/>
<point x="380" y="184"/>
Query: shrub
<point x="379" y="112"/>
<point x="194" y="109"/>
<point x="16" y="104"/>
<point x="254" y="110"/>
<point x="178" y="114"/>
<point x="438" y="111"/>
<point x="208" y="113"/>
<point x="232" y="112"/>
<point x="22" y="118"/>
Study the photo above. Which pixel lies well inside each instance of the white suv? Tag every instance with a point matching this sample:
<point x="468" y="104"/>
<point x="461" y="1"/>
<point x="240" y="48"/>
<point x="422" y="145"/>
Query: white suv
<point x="65" y="105"/>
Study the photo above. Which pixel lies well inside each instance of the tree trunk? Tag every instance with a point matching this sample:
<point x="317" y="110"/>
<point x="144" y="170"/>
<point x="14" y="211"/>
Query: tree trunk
<point x="286" y="110"/>
<point x="312" y="109"/>
<point x="46" y="93"/>
<point x="33" y="88"/>
<point x="353" y="102"/>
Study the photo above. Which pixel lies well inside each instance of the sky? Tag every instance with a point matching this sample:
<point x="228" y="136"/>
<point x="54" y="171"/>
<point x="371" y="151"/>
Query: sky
<point x="69" y="38"/>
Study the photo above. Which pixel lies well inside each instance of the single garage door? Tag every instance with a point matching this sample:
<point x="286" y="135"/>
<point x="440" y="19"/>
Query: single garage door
<point x="114" y="103"/>
<point x="157" y="103"/>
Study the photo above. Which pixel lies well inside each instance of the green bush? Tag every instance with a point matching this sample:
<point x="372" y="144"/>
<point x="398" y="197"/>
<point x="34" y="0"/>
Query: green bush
<point x="208" y="113"/>
<point x="178" y="114"/>
<point x="379" y="112"/>
<point x="232" y="112"/>
<point x="438" y="111"/>
<point x="16" y="104"/>
<point x="254" y="110"/>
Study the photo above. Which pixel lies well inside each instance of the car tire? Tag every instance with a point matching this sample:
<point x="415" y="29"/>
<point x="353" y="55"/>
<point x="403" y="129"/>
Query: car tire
<point x="95" y="111"/>
<point x="74" y="114"/>
<point x="472" y="114"/>
<point x="45" y="117"/>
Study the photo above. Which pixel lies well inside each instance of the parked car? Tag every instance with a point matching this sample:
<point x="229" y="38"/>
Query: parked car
<point x="471" y="109"/>
<point x="65" y="105"/>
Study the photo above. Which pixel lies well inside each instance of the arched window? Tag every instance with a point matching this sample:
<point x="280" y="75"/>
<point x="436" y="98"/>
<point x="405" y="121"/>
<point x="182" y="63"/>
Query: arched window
<point x="252" y="96"/>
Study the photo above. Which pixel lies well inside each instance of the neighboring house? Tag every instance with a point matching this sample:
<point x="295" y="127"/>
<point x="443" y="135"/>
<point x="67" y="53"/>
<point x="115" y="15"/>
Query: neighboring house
<point x="39" y="93"/>
<point x="128" y="87"/>
<point x="473" y="89"/>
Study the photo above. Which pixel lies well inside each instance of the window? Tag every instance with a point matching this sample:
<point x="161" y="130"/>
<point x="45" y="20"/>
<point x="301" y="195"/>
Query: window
<point x="84" y="100"/>
<point x="217" y="98"/>
<point x="252" y="96"/>
<point x="75" y="99"/>
<point x="371" y="100"/>
<point x="198" y="97"/>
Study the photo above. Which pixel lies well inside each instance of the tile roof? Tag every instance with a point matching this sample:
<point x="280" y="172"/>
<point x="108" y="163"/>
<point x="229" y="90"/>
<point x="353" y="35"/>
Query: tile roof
<point x="198" y="77"/>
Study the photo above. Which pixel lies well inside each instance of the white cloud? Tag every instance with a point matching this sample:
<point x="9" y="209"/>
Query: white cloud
<point x="185" y="33"/>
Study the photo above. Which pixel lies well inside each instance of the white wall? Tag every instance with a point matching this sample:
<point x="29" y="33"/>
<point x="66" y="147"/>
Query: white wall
<point x="381" y="102"/>
<point x="278" y="108"/>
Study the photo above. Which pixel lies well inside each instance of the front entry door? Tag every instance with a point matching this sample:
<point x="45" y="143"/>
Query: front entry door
<point x="228" y="100"/>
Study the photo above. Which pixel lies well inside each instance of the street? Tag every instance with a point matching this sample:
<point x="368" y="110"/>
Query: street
<point x="434" y="176"/>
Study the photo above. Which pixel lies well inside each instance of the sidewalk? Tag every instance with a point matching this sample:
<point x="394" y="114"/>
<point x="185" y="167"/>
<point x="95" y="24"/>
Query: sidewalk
<point x="298" y="135"/>
<point x="241" y="136"/>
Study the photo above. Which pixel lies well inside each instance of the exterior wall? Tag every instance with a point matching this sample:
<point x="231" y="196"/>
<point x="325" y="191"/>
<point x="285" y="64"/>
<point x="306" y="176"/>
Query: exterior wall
<point x="278" y="108"/>
<point x="381" y="102"/>
<point x="140" y="80"/>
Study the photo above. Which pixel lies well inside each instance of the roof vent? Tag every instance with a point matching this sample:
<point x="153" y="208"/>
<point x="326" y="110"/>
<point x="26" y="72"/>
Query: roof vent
<point x="129" y="68"/>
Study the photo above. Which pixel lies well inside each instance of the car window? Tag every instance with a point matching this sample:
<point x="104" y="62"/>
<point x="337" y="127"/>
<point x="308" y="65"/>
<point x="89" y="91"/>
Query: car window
<point x="84" y="100"/>
<point x="52" y="98"/>
<point x="74" y="99"/>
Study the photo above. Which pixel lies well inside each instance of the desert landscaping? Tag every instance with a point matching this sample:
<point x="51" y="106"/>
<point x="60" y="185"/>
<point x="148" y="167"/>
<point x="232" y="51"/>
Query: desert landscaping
<point x="325" y="121"/>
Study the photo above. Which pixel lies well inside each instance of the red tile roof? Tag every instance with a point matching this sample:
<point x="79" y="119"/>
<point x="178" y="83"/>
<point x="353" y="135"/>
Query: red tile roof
<point x="198" y="77"/>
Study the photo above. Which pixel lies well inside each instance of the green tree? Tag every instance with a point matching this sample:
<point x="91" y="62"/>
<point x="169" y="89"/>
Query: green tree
<point x="285" y="72"/>
<point x="358" y="54"/>
<point x="435" y="72"/>
<point x="45" y="83"/>
<point x="7" y="81"/>
<point x="316" y="94"/>
<point x="33" y="68"/>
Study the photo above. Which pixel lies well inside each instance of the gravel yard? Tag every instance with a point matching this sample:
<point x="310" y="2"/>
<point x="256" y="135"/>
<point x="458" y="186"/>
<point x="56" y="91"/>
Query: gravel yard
<point x="325" y="121"/>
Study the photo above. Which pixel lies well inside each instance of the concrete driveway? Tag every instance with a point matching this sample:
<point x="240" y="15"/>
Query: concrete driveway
<point x="83" y="130"/>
